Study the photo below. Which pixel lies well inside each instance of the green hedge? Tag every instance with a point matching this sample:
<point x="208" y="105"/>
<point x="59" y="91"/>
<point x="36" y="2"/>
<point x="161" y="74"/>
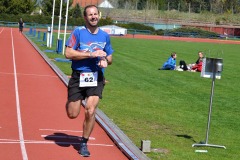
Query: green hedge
<point x="136" y="26"/>
<point x="191" y="32"/>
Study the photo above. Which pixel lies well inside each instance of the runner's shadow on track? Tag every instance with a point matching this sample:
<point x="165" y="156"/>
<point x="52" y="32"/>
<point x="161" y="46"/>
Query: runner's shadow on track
<point x="64" y="140"/>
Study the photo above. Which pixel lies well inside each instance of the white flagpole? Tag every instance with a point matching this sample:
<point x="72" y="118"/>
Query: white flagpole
<point x="52" y="24"/>
<point x="65" y="30"/>
<point x="60" y="17"/>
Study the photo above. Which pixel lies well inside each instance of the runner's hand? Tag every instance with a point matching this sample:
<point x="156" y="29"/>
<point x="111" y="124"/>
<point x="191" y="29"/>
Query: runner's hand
<point x="99" y="53"/>
<point x="103" y="63"/>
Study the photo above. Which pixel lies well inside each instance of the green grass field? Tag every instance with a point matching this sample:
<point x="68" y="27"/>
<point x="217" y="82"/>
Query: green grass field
<point x="170" y="108"/>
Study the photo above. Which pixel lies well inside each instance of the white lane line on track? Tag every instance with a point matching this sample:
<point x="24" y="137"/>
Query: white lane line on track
<point x="20" y="130"/>
<point x="65" y="137"/>
<point x="38" y="75"/>
<point x="1" y="30"/>
<point x="59" y="130"/>
<point x="12" y="141"/>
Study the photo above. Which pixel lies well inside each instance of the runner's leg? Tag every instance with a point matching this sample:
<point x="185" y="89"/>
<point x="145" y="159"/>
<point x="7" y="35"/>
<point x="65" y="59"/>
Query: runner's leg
<point x="73" y="109"/>
<point x="89" y="120"/>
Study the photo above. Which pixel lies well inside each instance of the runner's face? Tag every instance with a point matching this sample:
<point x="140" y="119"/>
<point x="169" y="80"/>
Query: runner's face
<point x="92" y="16"/>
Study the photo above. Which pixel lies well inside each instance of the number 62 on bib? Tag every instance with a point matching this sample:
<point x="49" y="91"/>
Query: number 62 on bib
<point x="88" y="79"/>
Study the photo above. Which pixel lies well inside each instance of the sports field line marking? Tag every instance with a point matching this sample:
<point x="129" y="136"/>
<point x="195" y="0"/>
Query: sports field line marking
<point x="37" y="75"/>
<point x="19" y="120"/>
<point x="59" y="130"/>
<point x="6" y="73"/>
<point x="65" y="137"/>
<point x="63" y="130"/>
<point x="1" y="30"/>
<point x="66" y="33"/>
<point x="40" y="75"/>
<point x="11" y="141"/>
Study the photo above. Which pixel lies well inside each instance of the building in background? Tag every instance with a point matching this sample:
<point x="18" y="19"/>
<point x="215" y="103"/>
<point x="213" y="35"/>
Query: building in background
<point x="98" y="3"/>
<point x="114" y="30"/>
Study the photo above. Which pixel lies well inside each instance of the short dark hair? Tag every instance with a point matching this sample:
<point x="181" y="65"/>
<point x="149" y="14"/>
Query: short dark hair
<point x="173" y="54"/>
<point x="89" y="6"/>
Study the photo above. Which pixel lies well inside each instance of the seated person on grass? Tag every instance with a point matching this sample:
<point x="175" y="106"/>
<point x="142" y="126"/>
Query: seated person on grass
<point x="170" y="64"/>
<point x="196" y="67"/>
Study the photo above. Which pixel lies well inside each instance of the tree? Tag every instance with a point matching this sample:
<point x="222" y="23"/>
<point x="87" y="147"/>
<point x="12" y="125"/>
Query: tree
<point x="17" y="6"/>
<point x="47" y="7"/>
<point x="76" y="11"/>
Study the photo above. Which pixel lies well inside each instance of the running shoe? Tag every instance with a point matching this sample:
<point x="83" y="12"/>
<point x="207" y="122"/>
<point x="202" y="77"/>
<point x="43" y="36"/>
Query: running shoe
<point x="83" y="151"/>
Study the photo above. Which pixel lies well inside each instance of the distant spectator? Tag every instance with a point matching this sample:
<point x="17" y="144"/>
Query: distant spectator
<point x="170" y="64"/>
<point x="197" y="66"/>
<point x="20" y="25"/>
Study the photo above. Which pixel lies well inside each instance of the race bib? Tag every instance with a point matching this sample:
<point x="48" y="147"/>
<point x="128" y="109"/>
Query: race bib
<point x="88" y="79"/>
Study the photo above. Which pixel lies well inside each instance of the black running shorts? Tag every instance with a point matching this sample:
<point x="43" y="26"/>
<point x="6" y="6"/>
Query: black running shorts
<point x="80" y="93"/>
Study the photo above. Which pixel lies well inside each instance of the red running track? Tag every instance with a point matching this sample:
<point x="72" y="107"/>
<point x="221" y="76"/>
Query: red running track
<point x="33" y="122"/>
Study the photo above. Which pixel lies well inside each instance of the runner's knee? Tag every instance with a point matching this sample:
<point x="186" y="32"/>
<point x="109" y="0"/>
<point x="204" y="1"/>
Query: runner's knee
<point x="72" y="109"/>
<point x="90" y="112"/>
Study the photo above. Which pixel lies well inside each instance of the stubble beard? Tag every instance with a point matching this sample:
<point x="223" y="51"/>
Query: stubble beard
<point x="94" y="24"/>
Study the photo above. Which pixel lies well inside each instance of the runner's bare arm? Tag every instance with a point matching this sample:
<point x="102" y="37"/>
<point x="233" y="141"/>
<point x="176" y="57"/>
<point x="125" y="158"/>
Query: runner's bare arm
<point x="78" y="55"/>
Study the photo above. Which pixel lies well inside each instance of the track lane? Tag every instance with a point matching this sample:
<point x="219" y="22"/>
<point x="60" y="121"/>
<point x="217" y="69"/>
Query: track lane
<point x="8" y="114"/>
<point x="47" y="132"/>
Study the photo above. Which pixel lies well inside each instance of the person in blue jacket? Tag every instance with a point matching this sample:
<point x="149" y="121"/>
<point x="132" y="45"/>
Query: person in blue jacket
<point x="170" y="64"/>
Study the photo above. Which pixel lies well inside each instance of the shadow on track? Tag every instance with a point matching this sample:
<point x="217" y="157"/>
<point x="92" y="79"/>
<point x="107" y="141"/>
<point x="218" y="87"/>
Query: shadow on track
<point x="65" y="140"/>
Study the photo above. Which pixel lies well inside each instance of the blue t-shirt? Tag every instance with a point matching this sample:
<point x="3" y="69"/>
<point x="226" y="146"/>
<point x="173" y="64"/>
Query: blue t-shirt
<point x="82" y="40"/>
